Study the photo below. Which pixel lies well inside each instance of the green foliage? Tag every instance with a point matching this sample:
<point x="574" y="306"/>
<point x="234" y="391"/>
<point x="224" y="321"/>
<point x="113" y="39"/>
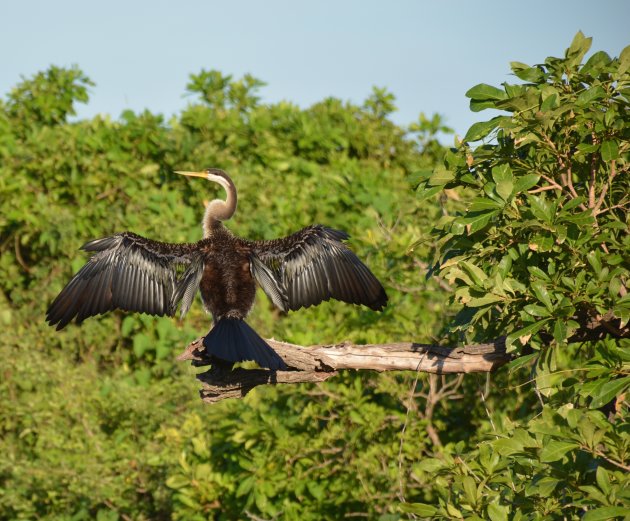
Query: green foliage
<point x="537" y="251"/>
<point x="99" y="421"/>
<point x="541" y="246"/>
<point x="529" y="238"/>
<point x="48" y="99"/>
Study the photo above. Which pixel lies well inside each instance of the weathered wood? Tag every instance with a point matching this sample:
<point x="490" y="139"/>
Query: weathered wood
<point x="318" y="363"/>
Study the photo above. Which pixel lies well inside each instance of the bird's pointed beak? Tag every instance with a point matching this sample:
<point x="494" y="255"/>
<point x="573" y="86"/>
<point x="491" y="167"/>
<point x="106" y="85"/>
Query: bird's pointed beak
<point x="192" y="174"/>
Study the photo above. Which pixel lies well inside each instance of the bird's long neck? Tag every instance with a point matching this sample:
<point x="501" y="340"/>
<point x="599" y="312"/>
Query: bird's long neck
<point x="220" y="210"/>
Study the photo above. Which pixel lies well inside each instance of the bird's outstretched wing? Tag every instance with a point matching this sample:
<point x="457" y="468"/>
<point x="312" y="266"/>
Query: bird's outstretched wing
<point x="131" y="273"/>
<point x="311" y="266"/>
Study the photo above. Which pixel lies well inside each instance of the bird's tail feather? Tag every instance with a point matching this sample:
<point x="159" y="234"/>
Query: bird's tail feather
<point x="232" y="340"/>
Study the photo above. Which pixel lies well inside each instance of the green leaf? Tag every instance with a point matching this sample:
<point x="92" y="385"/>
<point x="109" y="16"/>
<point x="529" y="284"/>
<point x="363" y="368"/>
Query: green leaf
<point x="547" y="485"/>
<point x="245" y="486"/>
<point x="603" y="481"/>
<point x="429" y="465"/>
<point x="596" y="63"/>
<point x="470" y="489"/>
<point x="427" y="193"/>
<point x="525" y="182"/>
<point x="581" y="219"/>
<point x="536" y="311"/>
<point x="555" y="450"/>
<point x="504" y="180"/>
<point x="560" y="331"/>
<point x="484" y="91"/>
<point x="608" y="391"/>
<point x="594" y="494"/>
<point x="594" y="261"/>
<point x="484" y="204"/>
<point x="541" y="242"/>
<point x="574" y="203"/>
<point x="610" y="150"/>
<point x="453" y="512"/>
<point x="525" y="332"/>
<point x="579" y="47"/>
<point x="623" y="314"/>
<point x="475" y="273"/>
<point x="421" y="509"/>
<point x="542" y="294"/>
<point x="538" y="273"/>
<point x="498" y="512"/>
<point x="590" y="95"/>
<point x="624" y="60"/>
<point x="177" y="481"/>
<point x="489" y="298"/>
<point x="141" y="343"/>
<point x="420" y="175"/>
<point x="478" y="105"/>
<point x="526" y="73"/>
<point x="541" y="208"/>
<point x="605" y="513"/>
<point x="550" y="103"/>
<point x="128" y="324"/>
<point x="521" y="361"/>
<point x="317" y="490"/>
<point x="508" y="446"/>
<point x="481" y="129"/>
<point x="440" y="177"/>
<point x="476" y="220"/>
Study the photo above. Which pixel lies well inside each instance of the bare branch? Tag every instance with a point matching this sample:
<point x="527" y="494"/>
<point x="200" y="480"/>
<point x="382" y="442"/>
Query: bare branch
<point x="318" y="363"/>
<point x="593" y="178"/>
<point x="551" y="182"/>
<point x="544" y="189"/>
<point x="600" y="199"/>
<point x="571" y="188"/>
<point x="18" y="255"/>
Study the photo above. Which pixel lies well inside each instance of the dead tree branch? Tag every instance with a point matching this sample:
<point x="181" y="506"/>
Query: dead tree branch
<point x="318" y="363"/>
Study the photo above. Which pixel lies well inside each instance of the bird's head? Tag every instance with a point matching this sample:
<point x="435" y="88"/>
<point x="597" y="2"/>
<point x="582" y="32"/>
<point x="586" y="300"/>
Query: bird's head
<point x="211" y="174"/>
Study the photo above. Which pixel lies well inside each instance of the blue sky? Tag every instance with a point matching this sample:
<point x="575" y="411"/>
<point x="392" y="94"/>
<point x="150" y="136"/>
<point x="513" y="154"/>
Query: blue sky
<point x="140" y="53"/>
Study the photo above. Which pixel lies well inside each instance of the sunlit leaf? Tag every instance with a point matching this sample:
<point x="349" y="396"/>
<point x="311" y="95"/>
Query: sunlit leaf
<point x="555" y="450"/>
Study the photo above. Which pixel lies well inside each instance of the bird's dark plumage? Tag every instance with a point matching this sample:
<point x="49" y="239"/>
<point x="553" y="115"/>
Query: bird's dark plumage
<point x="128" y="272"/>
<point x="233" y="340"/>
<point x="314" y="265"/>
<point x="131" y="273"/>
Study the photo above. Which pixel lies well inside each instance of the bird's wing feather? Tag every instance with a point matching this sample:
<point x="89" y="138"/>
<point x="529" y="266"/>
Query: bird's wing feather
<point x="313" y="265"/>
<point x="131" y="273"/>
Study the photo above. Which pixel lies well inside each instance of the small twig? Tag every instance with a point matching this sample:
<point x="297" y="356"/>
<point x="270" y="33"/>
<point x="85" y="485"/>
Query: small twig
<point x="112" y="507"/>
<point x="401" y="489"/>
<point x="18" y="255"/>
<point x="552" y="182"/>
<point x="485" y="406"/>
<point x="611" y="176"/>
<point x="608" y="208"/>
<point x="107" y="193"/>
<point x="434" y="397"/>
<point x="570" y="185"/>
<point x="600" y="454"/>
<point x="545" y="188"/>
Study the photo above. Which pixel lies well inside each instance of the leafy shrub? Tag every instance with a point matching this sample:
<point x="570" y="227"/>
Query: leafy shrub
<point x="539" y="252"/>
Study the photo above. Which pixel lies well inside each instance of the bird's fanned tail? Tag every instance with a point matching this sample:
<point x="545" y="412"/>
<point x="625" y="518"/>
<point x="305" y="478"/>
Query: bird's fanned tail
<point x="232" y="340"/>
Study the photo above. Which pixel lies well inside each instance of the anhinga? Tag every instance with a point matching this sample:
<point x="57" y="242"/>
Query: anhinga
<point x="132" y="273"/>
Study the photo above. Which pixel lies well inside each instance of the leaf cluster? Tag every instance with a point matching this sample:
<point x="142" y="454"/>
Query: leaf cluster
<point x="539" y="250"/>
<point x="536" y="249"/>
